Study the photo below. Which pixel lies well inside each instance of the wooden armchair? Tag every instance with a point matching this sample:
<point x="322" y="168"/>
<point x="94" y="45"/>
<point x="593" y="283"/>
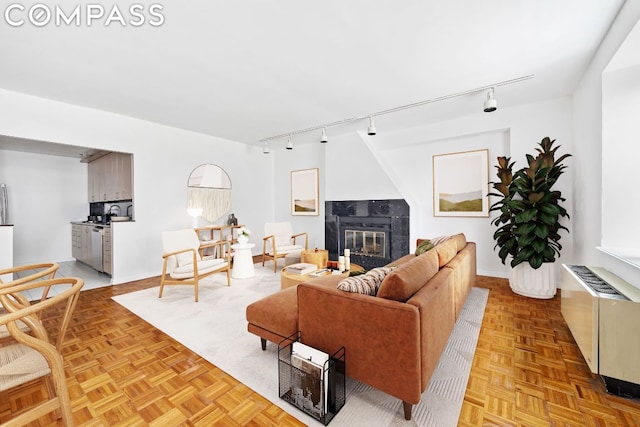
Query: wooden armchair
<point x="183" y="263"/>
<point x="39" y="271"/>
<point x="34" y="355"/>
<point x="279" y="241"/>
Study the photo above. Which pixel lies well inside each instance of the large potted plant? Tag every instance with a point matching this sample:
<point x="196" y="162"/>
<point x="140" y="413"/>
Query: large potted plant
<point x="528" y="224"/>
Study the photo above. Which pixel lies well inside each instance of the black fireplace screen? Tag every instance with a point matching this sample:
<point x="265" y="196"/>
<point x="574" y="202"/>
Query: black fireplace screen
<point x="370" y="243"/>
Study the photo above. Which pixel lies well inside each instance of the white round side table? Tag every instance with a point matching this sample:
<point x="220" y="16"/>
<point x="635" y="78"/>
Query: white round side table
<point x="242" y="260"/>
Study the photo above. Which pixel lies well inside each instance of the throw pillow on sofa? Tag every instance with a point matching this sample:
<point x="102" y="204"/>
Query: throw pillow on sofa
<point x="366" y="284"/>
<point x="424" y="246"/>
<point x="437" y="240"/>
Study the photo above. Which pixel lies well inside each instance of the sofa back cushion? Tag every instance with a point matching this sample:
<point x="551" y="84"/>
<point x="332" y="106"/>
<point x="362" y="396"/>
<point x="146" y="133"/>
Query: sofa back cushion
<point x="398" y="262"/>
<point x="461" y="241"/>
<point x="446" y="251"/>
<point x="405" y="280"/>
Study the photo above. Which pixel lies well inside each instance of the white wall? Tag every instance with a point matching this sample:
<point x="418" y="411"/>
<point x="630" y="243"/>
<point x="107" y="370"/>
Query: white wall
<point x="587" y="130"/>
<point x="163" y="158"/>
<point x="354" y="173"/>
<point x="404" y="157"/>
<point x="305" y="156"/>
<point x="45" y="193"/>
<point x="620" y="153"/>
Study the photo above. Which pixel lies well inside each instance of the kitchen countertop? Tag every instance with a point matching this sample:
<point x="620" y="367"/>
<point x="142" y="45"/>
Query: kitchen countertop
<point x="104" y="224"/>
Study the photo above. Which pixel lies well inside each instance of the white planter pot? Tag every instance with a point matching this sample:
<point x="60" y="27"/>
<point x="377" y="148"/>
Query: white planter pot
<point x="539" y="283"/>
<point x="243" y="240"/>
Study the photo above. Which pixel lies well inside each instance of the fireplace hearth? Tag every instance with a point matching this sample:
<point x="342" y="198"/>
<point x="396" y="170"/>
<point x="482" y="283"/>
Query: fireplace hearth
<point x="375" y="231"/>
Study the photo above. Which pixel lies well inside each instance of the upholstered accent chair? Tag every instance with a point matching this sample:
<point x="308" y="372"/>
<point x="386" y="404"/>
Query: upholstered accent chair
<point x="279" y="241"/>
<point x="33" y="355"/>
<point x="183" y="264"/>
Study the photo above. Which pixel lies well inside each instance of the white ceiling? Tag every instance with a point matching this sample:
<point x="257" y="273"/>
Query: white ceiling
<point x="250" y="69"/>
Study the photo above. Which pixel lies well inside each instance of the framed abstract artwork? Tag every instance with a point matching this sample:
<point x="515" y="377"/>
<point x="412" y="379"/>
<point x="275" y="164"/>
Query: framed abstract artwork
<point x="461" y="184"/>
<point x="305" y="192"/>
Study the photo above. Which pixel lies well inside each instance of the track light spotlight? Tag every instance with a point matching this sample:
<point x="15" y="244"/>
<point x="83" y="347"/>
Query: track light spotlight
<point x="372" y="128"/>
<point x="324" y="138"/>
<point x="490" y="104"/>
<point x="289" y="144"/>
<point x="265" y="148"/>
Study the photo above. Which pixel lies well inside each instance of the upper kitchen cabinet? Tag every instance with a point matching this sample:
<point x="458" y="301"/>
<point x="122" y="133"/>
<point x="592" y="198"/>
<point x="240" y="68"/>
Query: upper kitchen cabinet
<point x="111" y="178"/>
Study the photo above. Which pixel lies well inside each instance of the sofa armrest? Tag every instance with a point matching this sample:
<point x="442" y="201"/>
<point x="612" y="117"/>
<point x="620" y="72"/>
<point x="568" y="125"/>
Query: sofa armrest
<point x="381" y="337"/>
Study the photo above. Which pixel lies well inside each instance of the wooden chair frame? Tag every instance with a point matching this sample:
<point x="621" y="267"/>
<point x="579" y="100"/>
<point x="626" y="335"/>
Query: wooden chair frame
<point x="19" y="309"/>
<point x="47" y="270"/>
<point x="265" y="254"/>
<point x="168" y="280"/>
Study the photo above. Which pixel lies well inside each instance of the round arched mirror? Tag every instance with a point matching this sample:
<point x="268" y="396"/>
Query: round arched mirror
<point x="209" y="189"/>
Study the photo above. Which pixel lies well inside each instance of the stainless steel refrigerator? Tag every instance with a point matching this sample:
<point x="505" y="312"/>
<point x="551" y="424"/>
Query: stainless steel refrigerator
<point x="4" y="205"/>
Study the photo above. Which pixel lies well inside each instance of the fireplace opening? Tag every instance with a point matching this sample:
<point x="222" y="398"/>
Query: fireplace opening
<point x="367" y="243"/>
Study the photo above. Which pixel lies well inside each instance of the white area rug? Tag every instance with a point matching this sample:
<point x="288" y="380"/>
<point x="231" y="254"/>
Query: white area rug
<point x="216" y="329"/>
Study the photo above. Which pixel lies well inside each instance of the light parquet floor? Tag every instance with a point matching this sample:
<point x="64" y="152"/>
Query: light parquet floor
<point x="527" y="371"/>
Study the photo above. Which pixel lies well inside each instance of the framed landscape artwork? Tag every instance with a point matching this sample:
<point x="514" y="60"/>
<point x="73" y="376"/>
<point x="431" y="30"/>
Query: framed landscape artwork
<point x="461" y="184"/>
<point x="304" y="192"/>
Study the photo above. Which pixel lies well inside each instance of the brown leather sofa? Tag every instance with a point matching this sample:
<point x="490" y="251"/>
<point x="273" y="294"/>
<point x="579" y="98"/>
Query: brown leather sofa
<point x="393" y="341"/>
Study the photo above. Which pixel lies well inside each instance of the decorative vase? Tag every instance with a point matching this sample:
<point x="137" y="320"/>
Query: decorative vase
<point x="534" y="283"/>
<point x="243" y="240"/>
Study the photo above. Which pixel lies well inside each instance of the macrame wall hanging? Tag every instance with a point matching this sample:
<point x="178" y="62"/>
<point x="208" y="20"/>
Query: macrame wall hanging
<point x="209" y="189"/>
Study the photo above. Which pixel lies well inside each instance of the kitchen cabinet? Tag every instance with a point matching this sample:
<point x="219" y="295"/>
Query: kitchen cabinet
<point x="85" y="244"/>
<point x="76" y="242"/>
<point x="124" y="176"/>
<point x="85" y="238"/>
<point x="106" y="251"/>
<point x="97" y="175"/>
<point x="110" y="178"/>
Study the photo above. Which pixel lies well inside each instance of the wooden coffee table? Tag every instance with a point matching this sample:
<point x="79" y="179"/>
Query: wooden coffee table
<point x="290" y="279"/>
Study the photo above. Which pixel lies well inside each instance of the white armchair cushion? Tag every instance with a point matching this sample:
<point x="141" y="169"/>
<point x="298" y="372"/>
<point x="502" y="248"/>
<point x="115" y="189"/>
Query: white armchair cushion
<point x="281" y="231"/>
<point x="186" y="258"/>
<point x="287" y="249"/>
<point x="206" y="266"/>
<point x="283" y="240"/>
<point x="179" y="240"/>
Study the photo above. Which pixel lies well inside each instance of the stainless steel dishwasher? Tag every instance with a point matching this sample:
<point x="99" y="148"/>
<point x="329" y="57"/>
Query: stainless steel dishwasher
<point x="95" y="257"/>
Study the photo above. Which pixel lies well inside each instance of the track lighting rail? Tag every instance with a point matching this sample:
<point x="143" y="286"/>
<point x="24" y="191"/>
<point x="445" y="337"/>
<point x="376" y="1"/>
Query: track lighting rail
<point x="396" y="109"/>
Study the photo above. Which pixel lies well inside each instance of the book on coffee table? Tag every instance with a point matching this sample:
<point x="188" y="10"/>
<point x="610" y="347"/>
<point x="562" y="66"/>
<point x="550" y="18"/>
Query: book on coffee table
<point x="321" y="272"/>
<point x="301" y="268"/>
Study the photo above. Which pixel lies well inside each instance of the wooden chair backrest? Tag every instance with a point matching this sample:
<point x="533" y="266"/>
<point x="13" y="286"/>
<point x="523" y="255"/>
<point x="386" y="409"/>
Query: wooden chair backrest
<point x="44" y="269"/>
<point x="18" y="307"/>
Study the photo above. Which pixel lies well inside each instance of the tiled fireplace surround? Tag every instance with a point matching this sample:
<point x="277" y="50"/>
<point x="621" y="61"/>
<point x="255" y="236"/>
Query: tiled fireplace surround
<point x="376" y="231"/>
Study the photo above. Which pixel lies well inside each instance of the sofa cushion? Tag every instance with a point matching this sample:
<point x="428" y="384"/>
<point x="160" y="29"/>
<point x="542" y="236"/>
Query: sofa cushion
<point x="446" y="251"/>
<point x="424" y="246"/>
<point x="461" y="241"/>
<point x="401" y="261"/>
<point x="440" y="239"/>
<point x="405" y="280"/>
<point x="367" y="283"/>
